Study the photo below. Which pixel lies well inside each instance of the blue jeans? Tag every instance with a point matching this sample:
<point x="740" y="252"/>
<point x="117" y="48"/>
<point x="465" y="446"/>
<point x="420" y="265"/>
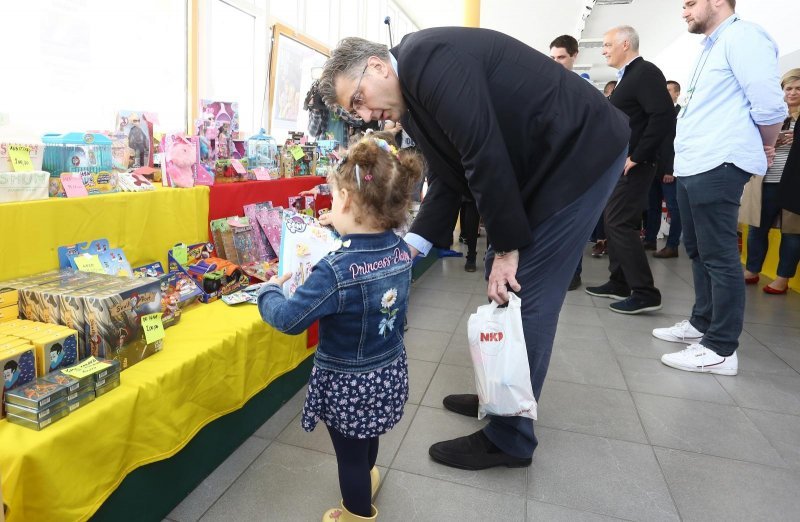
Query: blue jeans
<point x="758" y="237"/>
<point x="667" y="191"/>
<point x="544" y="273"/>
<point x="709" y="205"/>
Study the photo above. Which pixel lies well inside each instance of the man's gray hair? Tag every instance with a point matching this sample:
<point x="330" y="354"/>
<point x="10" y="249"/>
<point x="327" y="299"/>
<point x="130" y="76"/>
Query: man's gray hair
<point x="348" y="59"/>
<point x="626" y="32"/>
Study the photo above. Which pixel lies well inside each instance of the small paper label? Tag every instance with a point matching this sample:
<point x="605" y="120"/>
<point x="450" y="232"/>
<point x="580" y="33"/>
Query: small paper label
<point x="297" y="152"/>
<point x="86" y="367"/>
<point x="153" y="327"/>
<point x="181" y="254"/>
<point x="261" y="173"/>
<point x="238" y="167"/>
<point x="20" y="157"/>
<point x="73" y="185"/>
<point x="89" y="263"/>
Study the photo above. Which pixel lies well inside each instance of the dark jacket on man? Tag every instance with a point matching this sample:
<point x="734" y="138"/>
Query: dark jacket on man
<point x="497" y="119"/>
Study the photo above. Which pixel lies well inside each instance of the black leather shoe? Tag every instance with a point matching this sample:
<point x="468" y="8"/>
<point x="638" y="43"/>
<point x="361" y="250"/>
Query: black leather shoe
<point x="470" y="265"/>
<point x="608" y="290"/>
<point x="466" y="404"/>
<point x="474" y="452"/>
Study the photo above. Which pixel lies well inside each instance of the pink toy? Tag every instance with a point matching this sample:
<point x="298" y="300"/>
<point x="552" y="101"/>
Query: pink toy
<point x="181" y="157"/>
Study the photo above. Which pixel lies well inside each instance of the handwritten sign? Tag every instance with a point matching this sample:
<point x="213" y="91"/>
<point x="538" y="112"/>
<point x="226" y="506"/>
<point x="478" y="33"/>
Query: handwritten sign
<point x="89" y="263"/>
<point x="238" y="167"/>
<point x="86" y="367"/>
<point x="261" y="173"/>
<point x="73" y="185"/>
<point x="153" y="327"/>
<point x="297" y="152"/>
<point x="20" y="157"/>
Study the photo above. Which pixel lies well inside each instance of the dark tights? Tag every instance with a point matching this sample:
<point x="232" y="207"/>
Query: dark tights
<point x="355" y="457"/>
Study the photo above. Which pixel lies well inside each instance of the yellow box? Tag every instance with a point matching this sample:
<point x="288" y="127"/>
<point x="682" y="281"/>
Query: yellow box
<point x="9" y="313"/>
<point x="55" y="350"/>
<point x="8" y="297"/>
<point x="18" y="367"/>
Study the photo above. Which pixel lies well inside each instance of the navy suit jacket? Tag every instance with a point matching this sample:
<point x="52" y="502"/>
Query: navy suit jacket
<point x="497" y="119"/>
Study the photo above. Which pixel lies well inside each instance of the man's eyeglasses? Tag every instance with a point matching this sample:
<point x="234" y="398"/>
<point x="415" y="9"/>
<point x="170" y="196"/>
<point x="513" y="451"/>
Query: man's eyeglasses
<point x="357" y="100"/>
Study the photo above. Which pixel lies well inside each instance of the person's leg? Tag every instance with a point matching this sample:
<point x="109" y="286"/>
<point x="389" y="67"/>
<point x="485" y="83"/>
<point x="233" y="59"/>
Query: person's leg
<point x="701" y="311"/>
<point x="544" y="277"/>
<point x="669" y="190"/>
<point x="789" y="255"/>
<point x="470" y="222"/>
<point x="758" y="237"/>
<point x="623" y="214"/>
<point x="353" y="459"/>
<point x="653" y="224"/>
<point x="714" y="198"/>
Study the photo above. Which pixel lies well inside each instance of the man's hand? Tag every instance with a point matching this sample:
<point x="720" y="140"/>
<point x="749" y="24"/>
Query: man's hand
<point x="504" y="271"/>
<point x="275" y="280"/>
<point x="770" y="152"/>
<point x="629" y="164"/>
<point x="668" y="178"/>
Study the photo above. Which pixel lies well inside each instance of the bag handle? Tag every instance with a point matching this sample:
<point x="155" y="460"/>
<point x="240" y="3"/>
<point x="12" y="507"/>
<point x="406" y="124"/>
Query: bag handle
<point x="513" y="302"/>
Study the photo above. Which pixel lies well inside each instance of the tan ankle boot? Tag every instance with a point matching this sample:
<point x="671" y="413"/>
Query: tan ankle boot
<point x="341" y="514"/>
<point x="375" y="481"/>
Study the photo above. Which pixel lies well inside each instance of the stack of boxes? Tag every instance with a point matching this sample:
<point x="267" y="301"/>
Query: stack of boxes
<point x="48" y="399"/>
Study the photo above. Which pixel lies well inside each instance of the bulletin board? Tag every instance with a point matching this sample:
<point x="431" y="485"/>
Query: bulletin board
<point x="292" y="58"/>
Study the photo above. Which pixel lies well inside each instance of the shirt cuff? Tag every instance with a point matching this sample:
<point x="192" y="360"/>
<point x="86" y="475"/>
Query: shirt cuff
<point x="420" y="243"/>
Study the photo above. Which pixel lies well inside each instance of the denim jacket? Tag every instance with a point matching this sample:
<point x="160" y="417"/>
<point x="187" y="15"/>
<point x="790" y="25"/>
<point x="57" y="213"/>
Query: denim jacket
<point x="359" y="293"/>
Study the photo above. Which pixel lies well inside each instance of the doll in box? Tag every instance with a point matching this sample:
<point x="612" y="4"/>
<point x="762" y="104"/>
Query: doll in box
<point x="181" y="157"/>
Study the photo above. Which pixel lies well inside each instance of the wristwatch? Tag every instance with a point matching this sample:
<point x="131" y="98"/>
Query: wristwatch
<point x="502" y="253"/>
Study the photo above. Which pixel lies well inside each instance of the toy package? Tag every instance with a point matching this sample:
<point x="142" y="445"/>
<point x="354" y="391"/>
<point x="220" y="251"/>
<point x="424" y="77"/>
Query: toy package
<point x="302" y="205"/>
<point x="263" y="247"/>
<point x="137" y="130"/>
<point x="270" y="220"/>
<point x="262" y="152"/>
<point x="112" y="260"/>
<point x="88" y="155"/>
<point x="18" y="365"/>
<point x="131" y="182"/>
<point x="214" y="276"/>
<point x="298" y="160"/>
<point x="304" y="242"/>
<point x="222" y="234"/>
<point x="181" y="155"/>
<point x="243" y="240"/>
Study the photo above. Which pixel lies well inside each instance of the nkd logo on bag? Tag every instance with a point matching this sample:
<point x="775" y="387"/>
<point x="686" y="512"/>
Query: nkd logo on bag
<point x="491" y="338"/>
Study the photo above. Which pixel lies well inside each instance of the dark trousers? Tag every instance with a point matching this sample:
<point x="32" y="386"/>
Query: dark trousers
<point x="668" y="192"/>
<point x="709" y="204"/>
<point x="758" y="237"/>
<point x="470" y="223"/>
<point x="544" y="272"/>
<point x="355" y="458"/>
<point x="627" y="260"/>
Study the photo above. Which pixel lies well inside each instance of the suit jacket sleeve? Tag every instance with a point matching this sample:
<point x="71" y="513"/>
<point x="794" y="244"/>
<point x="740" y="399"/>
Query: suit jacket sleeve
<point x="453" y="88"/>
<point x="657" y="105"/>
<point x="437" y="213"/>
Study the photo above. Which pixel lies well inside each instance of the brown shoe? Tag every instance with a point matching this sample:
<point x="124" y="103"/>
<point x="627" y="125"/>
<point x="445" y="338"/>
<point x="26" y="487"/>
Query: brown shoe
<point x="599" y="249"/>
<point x="666" y="252"/>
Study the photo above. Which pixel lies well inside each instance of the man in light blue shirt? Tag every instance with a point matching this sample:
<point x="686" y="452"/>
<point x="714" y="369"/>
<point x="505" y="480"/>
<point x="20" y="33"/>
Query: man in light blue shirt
<point x="726" y="133"/>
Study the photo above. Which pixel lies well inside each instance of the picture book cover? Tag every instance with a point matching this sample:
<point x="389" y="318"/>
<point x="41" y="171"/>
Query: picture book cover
<point x="303" y="243"/>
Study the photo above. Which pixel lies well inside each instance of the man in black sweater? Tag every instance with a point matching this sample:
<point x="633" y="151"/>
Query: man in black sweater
<point x="641" y="94"/>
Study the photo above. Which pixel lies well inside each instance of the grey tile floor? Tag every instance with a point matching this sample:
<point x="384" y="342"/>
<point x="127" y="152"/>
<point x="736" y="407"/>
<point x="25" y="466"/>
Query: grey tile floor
<point x="621" y="435"/>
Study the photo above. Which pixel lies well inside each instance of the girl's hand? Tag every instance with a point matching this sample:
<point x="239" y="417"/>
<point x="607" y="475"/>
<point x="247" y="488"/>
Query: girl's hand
<point x="275" y="280"/>
<point x="325" y="219"/>
<point x="313" y="192"/>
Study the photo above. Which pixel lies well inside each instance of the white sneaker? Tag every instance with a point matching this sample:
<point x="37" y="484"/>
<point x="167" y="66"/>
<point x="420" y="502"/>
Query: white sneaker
<point x="698" y="358"/>
<point x="682" y="332"/>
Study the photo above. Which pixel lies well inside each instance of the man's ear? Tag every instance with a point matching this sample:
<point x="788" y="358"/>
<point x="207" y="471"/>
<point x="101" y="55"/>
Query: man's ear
<point x="381" y="68"/>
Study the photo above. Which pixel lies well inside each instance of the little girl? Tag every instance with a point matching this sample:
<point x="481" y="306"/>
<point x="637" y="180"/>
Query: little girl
<point x="359" y="293"/>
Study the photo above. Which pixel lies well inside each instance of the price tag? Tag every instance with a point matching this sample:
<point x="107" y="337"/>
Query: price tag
<point x="20" y="157"/>
<point x="181" y="253"/>
<point x="89" y="263"/>
<point x="238" y="167"/>
<point x="261" y="173"/>
<point x="297" y="152"/>
<point x="73" y="185"/>
<point x="86" y="367"/>
<point x="153" y="327"/>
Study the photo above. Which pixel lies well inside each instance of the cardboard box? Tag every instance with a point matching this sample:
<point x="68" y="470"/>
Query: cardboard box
<point x="38" y="425"/>
<point x="8" y="297"/>
<point x="36" y="395"/>
<point x="18" y="365"/>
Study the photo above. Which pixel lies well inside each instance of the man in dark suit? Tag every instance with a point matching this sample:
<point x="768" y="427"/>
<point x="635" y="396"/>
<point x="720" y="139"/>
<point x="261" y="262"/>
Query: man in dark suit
<point x="537" y="147"/>
<point x="663" y="187"/>
<point x="641" y="93"/>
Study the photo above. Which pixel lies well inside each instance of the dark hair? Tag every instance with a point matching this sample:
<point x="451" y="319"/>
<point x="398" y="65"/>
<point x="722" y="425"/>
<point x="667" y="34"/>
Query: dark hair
<point x="56" y="348"/>
<point x="676" y="84"/>
<point x="567" y="42"/>
<point x="612" y="84"/>
<point x="11" y="365"/>
<point x="386" y="181"/>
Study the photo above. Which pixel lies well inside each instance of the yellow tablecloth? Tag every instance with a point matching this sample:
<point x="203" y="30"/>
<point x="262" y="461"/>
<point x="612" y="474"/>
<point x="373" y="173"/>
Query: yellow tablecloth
<point x="213" y="361"/>
<point x="144" y="224"/>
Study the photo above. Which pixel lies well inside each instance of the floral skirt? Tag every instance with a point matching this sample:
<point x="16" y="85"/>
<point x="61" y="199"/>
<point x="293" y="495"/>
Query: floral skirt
<point x="357" y="405"/>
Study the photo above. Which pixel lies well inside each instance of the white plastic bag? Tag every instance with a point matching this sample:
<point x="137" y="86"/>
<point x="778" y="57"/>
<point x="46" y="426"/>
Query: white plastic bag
<point x="500" y="359"/>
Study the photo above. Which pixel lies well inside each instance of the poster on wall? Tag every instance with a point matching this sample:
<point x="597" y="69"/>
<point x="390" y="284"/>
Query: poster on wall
<point x="293" y="58"/>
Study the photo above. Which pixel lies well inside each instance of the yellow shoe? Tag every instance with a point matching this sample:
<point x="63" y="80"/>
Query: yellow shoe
<point x="375" y="481"/>
<point x="341" y="514"/>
